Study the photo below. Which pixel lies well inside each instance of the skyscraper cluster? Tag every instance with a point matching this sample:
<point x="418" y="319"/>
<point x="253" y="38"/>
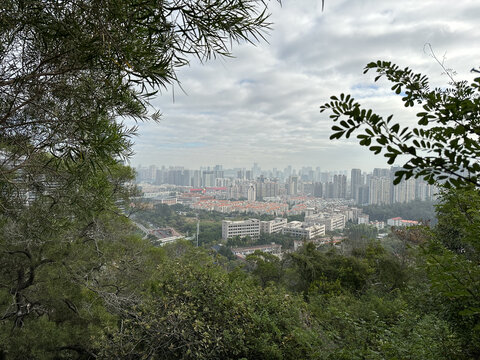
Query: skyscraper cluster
<point x="258" y="184"/>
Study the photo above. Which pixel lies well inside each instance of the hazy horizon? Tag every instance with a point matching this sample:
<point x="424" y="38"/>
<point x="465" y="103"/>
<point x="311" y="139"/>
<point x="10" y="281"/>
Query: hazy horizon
<point x="263" y="105"/>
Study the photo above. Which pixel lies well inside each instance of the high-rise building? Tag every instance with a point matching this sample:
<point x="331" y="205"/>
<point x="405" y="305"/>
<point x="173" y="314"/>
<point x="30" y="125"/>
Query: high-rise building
<point x="377" y="172"/>
<point x="325" y="177"/>
<point x="404" y="192"/>
<point x="293" y="185"/>
<point x="187" y="178"/>
<point x="251" y="193"/>
<point x="160" y="177"/>
<point x="218" y="174"/>
<point x="424" y="191"/>
<point x="271" y="189"/>
<point x="261" y="189"/>
<point x="363" y="195"/>
<point x="152" y="173"/>
<point x="255" y="171"/>
<point x="208" y="178"/>
<point x="197" y="179"/>
<point x="318" y="189"/>
<point x="355" y="183"/>
<point x="234" y="191"/>
<point x="328" y="190"/>
<point x="287" y="171"/>
<point x="309" y="188"/>
<point x="339" y="186"/>
<point x="379" y="190"/>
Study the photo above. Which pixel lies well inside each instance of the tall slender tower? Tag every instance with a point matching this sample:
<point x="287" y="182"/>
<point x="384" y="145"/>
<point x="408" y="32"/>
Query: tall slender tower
<point x="355" y="183"/>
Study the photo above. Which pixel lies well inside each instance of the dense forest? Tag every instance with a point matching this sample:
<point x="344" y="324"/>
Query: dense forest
<point x="78" y="282"/>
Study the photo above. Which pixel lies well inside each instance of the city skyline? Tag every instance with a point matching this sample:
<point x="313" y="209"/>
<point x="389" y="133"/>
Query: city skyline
<point x="263" y="103"/>
<point x="294" y="169"/>
<point x="361" y="187"/>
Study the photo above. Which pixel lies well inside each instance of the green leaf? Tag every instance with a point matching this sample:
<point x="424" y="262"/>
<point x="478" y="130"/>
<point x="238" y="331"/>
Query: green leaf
<point x="395" y="128"/>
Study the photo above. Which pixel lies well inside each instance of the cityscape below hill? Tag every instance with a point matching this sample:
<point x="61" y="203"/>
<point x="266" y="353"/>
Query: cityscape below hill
<point x="256" y="184"/>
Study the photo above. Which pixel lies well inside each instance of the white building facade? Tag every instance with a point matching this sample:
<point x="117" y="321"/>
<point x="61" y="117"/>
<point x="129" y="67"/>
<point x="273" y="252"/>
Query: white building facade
<point x="250" y="227"/>
<point x="273" y="226"/>
<point x="299" y="229"/>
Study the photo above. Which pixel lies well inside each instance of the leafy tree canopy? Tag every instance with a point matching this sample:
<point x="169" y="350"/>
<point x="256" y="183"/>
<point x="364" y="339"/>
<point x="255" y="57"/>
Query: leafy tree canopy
<point x="443" y="148"/>
<point x="70" y="68"/>
<point x="194" y="309"/>
<point x="70" y="71"/>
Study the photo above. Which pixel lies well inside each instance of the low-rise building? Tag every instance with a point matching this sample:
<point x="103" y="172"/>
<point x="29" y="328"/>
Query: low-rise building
<point x="299" y="229"/>
<point x="363" y="219"/>
<point x="332" y="222"/>
<point x="380" y="225"/>
<point x="165" y="236"/>
<point x="242" y="252"/>
<point x="169" y="201"/>
<point x="250" y="227"/>
<point x="398" y="221"/>
<point x="273" y="226"/>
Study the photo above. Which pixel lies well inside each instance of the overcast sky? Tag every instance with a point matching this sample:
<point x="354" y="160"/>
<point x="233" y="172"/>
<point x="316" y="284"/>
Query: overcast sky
<point x="263" y="105"/>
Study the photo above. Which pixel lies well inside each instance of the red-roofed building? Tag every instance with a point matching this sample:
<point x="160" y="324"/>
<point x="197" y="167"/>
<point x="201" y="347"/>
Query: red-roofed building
<point x="398" y="221"/>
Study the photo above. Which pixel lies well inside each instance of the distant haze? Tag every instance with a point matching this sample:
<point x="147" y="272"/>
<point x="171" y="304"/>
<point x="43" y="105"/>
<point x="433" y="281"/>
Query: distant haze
<point x="263" y="105"/>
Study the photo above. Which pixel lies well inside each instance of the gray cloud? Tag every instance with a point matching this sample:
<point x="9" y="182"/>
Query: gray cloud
<point x="263" y="105"/>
